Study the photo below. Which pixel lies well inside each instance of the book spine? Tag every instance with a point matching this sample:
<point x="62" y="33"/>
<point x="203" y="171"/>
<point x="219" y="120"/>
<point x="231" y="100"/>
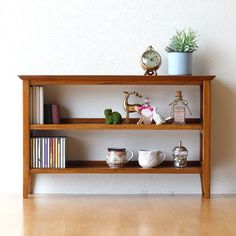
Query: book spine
<point x="48" y="155"/>
<point x="41" y="101"/>
<point x="51" y="151"/>
<point x="34" y="105"/>
<point x="34" y="152"/>
<point x="37" y="105"/>
<point x="31" y="153"/>
<point x="56" y="114"/>
<point x="31" y="105"/>
<point x="45" y="153"/>
<point x="47" y="113"/>
<point x="63" y="152"/>
<point x="62" y="165"/>
<point x="56" y="153"/>
<point x="59" y="152"/>
<point x="42" y="155"/>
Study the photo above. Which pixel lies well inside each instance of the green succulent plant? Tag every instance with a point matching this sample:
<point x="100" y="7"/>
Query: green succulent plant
<point x="183" y="41"/>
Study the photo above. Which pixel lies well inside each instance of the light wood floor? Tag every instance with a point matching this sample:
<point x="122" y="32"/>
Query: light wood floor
<point x="117" y="215"/>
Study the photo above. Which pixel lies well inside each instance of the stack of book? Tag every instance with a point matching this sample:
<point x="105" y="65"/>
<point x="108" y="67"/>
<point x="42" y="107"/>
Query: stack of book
<point x="48" y="152"/>
<point x="36" y="105"/>
<point x="52" y="114"/>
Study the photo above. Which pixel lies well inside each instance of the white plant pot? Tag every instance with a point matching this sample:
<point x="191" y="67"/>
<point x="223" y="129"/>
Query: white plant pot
<point x="180" y="63"/>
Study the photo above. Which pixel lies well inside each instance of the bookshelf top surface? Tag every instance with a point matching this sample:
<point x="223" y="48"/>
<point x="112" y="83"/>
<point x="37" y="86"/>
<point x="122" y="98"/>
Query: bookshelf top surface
<point x="115" y="79"/>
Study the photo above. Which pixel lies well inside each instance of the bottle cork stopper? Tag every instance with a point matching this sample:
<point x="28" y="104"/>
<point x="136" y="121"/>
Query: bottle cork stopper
<point x="178" y="94"/>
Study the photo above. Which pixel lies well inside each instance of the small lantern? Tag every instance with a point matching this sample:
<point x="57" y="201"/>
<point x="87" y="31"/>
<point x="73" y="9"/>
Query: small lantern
<point x="180" y="154"/>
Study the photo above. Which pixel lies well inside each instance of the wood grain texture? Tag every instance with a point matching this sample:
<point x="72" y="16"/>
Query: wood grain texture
<point x="206" y="137"/>
<point x="201" y="155"/>
<point x="115" y="79"/>
<point x="26" y="139"/>
<point x="100" y="167"/>
<point x="131" y="121"/>
<point x="99" y="124"/>
<point x="115" y="127"/>
<point x="118" y="215"/>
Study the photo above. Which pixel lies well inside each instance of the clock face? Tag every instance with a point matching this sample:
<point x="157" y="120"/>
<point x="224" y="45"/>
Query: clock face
<point x="151" y="59"/>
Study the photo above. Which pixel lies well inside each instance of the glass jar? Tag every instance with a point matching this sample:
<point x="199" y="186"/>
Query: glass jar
<point x="180" y="154"/>
<point x="178" y="109"/>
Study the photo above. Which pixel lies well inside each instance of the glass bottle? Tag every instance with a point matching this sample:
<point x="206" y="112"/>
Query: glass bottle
<point x="178" y="109"/>
<point x="180" y="154"/>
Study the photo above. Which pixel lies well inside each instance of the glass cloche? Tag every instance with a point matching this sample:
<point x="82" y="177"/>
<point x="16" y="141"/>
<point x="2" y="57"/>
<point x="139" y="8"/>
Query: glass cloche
<point x="180" y="154"/>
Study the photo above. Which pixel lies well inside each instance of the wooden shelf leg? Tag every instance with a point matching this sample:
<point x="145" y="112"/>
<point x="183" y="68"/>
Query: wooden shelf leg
<point x="202" y="185"/>
<point x="201" y="154"/>
<point x="26" y="138"/>
<point x="31" y="183"/>
<point x="206" y="138"/>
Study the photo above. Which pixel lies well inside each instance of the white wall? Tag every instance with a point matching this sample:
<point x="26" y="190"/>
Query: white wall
<point x="108" y="37"/>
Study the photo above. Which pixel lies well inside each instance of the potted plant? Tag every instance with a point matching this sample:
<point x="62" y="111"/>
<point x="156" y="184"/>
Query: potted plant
<point x="182" y="44"/>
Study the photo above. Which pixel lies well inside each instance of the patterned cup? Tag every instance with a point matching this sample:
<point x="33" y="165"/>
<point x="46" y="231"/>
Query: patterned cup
<point x="118" y="157"/>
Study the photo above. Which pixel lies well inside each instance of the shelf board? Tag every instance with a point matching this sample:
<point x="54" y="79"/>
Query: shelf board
<point x="116" y="79"/>
<point x="100" y="167"/>
<point x="115" y="127"/>
<point x="99" y="124"/>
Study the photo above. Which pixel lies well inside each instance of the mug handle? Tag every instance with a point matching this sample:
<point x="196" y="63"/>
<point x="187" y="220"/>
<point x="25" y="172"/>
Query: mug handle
<point x="163" y="158"/>
<point x="132" y="155"/>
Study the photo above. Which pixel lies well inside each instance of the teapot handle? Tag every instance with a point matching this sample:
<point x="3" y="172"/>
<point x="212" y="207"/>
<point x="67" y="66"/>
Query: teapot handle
<point x="132" y="155"/>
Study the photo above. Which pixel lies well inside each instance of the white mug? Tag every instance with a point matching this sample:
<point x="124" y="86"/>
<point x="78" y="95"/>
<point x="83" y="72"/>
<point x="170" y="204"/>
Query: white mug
<point x="150" y="158"/>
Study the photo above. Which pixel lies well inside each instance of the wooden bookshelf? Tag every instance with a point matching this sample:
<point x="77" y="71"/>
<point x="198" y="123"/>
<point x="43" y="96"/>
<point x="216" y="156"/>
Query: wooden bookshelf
<point x="203" y="125"/>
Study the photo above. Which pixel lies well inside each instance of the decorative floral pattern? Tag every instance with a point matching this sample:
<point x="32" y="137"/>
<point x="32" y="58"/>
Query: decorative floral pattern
<point x="117" y="158"/>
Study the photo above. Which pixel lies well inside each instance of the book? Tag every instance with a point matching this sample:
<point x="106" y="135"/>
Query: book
<point x="41" y="106"/>
<point x="34" y="105"/>
<point x="31" y="153"/>
<point x="52" y="114"/>
<point x="34" y="153"/>
<point x="47" y="113"/>
<point x="63" y="152"/>
<point x="59" y="153"/>
<point x="37" y="105"/>
<point x="31" y="105"/>
<point x="45" y="152"/>
<point x="56" y="114"/>
<point x="51" y="153"/>
<point x="42" y="153"/>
